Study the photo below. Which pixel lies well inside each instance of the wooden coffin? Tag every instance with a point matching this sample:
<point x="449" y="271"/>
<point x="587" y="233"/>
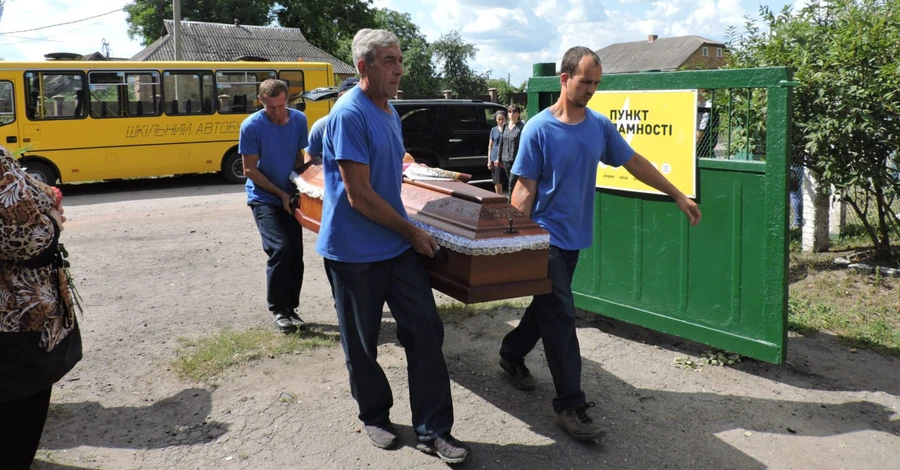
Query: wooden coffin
<point x="489" y="249"/>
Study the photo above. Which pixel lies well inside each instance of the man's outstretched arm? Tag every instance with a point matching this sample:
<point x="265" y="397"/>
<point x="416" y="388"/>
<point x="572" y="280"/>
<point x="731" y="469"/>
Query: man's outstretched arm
<point x="644" y="171"/>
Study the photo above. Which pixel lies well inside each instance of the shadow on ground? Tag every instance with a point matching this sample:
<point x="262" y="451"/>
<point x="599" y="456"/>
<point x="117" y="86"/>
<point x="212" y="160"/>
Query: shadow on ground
<point x="648" y="428"/>
<point x="175" y="421"/>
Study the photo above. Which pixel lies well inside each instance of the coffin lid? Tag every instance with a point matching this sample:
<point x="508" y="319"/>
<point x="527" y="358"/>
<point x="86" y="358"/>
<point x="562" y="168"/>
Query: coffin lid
<point x="464" y="210"/>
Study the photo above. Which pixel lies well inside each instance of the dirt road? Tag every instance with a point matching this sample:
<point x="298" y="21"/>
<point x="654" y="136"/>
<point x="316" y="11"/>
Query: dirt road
<point x="159" y="260"/>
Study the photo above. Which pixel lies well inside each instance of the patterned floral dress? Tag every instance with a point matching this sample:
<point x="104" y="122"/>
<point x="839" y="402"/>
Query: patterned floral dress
<point x="37" y="321"/>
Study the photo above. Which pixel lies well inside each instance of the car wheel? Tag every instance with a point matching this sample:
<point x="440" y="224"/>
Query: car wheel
<point x="41" y="172"/>
<point x="233" y="168"/>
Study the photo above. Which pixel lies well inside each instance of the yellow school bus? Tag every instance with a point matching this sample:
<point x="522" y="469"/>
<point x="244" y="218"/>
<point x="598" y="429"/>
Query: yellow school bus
<point x="88" y="121"/>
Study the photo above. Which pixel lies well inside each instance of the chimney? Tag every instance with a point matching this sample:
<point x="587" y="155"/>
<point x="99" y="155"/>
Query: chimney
<point x="237" y="22"/>
<point x="447" y="94"/>
<point x="652" y="38"/>
<point x="493" y="94"/>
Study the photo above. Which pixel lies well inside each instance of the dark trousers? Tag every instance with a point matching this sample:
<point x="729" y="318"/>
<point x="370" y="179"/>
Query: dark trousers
<point x="360" y="291"/>
<point x="507" y="167"/>
<point x="282" y="240"/>
<point x="551" y="317"/>
<point x="21" y="424"/>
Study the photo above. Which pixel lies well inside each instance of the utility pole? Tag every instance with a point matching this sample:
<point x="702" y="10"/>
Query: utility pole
<point x="176" y="17"/>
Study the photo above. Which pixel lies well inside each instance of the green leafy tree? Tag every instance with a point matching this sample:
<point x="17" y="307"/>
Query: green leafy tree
<point x="145" y="17"/>
<point x="453" y="55"/>
<point x="504" y="89"/>
<point x="328" y="24"/>
<point x="419" y="76"/>
<point x="847" y="106"/>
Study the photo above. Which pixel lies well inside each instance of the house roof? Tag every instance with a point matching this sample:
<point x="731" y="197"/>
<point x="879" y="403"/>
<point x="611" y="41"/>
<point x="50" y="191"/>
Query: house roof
<point x="99" y="56"/>
<point x="226" y="42"/>
<point x="662" y="54"/>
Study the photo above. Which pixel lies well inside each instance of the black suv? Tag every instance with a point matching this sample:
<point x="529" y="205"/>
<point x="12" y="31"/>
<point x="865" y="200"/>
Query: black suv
<point x="450" y="134"/>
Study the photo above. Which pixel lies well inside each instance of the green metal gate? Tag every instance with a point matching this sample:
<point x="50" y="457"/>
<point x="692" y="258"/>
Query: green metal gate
<point x="724" y="282"/>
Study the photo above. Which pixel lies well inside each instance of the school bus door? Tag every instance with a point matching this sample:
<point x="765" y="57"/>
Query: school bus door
<point x="9" y="128"/>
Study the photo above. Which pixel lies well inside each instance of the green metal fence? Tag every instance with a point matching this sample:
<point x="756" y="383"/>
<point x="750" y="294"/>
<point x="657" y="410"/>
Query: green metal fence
<point x="724" y="282"/>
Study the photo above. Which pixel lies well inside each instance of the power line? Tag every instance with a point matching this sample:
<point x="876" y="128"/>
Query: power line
<point x="63" y="24"/>
<point x="47" y="38"/>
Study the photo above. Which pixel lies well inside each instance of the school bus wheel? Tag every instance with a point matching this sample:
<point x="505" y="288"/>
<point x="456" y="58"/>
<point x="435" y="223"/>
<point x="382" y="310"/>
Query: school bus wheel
<point x="233" y="168"/>
<point x="40" y="171"/>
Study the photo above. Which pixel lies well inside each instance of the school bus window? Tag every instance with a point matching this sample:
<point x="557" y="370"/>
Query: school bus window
<point x="54" y="95"/>
<point x="7" y="105"/>
<point x="236" y="90"/>
<point x="189" y="92"/>
<point x="295" y="84"/>
<point x="124" y="94"/>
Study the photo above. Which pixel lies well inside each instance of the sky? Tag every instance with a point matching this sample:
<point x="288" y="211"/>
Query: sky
<point x="510" y="36"/>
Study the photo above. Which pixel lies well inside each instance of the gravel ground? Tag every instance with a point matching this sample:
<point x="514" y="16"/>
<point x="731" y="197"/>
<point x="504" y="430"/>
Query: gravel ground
<point x="162" y="259"/>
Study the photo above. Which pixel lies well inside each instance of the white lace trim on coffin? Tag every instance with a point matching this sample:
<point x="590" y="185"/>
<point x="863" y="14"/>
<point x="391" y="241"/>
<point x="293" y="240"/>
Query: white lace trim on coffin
<point x="486" y="246"/>
<point x="457" y="243"/>
<point x="306" y="188"/>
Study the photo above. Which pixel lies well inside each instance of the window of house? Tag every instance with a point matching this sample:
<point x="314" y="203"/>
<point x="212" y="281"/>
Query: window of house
<point x="236" y="90"/>
<point x="462" y="118"/>
<point x="117" y="94"/>
<point x="419" y="119"/>
<point x="54" y="95"/>
<point x="705" y="52"/>
<point x="719" y="52"/>
<point x="189" y="93"/>
<point x="7" y="105"/>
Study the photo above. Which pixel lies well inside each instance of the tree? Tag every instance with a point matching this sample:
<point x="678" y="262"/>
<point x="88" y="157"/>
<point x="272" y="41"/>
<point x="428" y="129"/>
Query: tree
<point x="453" y="55"/>
<point x="847" y="104"/>
<point x="145" y="17"/>
<point x="419" y="76"/>
<point x="328" y="24"/>
<point x="504" y="89"/>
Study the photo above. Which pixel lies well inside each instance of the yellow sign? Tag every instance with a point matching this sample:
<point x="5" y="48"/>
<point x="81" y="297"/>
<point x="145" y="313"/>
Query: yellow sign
<point x="661" y="126"/>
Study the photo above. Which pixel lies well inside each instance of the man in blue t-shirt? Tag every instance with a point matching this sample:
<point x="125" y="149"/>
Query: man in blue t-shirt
<point x="271" y="144"/>
<point x="559" y="151"/>
<point x="374" y="254"/>
<point x="317" y="131"/>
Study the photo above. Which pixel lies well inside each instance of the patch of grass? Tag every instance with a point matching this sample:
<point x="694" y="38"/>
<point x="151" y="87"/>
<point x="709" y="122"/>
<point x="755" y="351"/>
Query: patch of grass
<point x="455" y="311"/>
<point x="862" y="310"/>
<point x="795" y="240"/>
<point x="208" y="357"/>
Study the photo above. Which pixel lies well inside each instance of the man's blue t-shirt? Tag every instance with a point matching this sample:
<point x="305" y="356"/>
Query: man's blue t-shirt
<point x="317" y="136"/>
<point x="277" y="147"/>
<point x="360" y="131"/>
<point x="563" y="159"/>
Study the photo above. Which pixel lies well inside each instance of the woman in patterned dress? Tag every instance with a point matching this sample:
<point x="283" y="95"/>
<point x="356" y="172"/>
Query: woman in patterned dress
<point x="39" y="338"/>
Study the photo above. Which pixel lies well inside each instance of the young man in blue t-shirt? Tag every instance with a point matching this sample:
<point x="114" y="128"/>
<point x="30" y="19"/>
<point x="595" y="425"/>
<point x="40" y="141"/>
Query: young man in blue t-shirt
<point x="373" y="254"/>
<point x="271" y="144"/>
<point x="556" y="164"/>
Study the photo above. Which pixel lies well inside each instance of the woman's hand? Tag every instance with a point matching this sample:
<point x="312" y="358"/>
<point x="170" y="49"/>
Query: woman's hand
<point x="57" y="214"/>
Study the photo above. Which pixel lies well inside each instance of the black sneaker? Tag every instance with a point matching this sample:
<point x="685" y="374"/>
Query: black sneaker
<point x="518" y="374"/>
<point x="446" y="447"/>
<point x="578" y="424"/>
<point x="283" y="321"/>
<point x="382" y="436"/>
<point x="296" y="320"/>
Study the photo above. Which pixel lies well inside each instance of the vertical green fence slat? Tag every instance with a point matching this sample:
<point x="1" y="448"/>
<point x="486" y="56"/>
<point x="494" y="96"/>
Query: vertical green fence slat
<point x="778" y="144"/>
<point x="724" y="282"/>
